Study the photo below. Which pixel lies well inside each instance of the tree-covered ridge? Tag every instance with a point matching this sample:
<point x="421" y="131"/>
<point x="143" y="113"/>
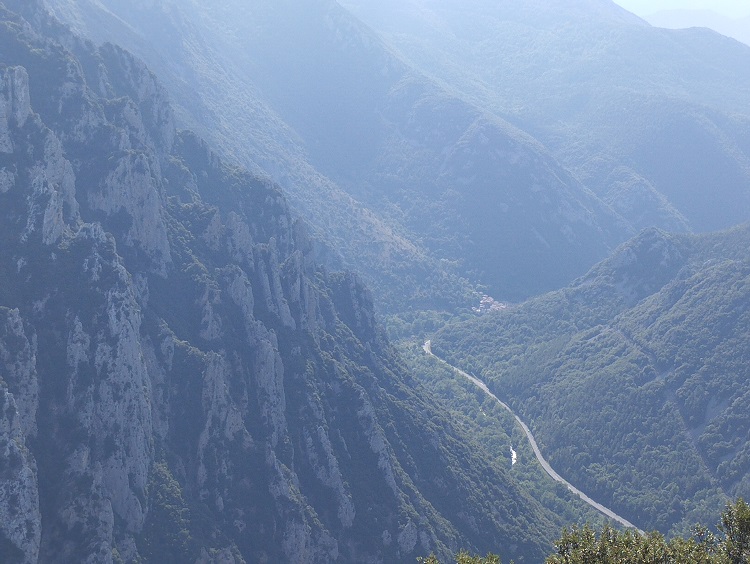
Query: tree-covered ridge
<point x="634" y="379"/>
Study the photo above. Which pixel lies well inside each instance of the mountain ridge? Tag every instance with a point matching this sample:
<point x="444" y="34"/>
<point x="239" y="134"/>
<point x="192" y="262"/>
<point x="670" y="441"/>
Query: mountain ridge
<point x="380" y="132"/>
<point x="737" y="28"/>
<point x="180" y="378"/>
<point x="636" y="363"/>
<point x="665" y="106"/>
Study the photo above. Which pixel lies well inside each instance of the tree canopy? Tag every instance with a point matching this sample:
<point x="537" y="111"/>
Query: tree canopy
<point x="584" y="545"/>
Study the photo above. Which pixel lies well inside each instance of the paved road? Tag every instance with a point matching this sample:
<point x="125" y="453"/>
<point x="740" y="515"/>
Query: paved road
<point x="547" y="468"/>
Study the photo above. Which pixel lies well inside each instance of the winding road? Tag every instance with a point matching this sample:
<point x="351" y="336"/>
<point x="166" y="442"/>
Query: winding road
<point x="547" y="468"/>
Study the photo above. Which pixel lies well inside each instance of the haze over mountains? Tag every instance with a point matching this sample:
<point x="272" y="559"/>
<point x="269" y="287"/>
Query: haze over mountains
<point x="730" y="8"/>
<point x="213" y="211"/>
<point x="407" y="150"/>
<point x="410" y="153"/>
<point x="737" y="28"/>
<point x="728" y="18"/>
<point x="636" y="111"/>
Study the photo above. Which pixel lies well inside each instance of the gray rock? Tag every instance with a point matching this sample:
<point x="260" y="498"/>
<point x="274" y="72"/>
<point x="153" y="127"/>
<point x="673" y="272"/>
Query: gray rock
<point x="20" y="518"/>
<point x="18" y="362"/>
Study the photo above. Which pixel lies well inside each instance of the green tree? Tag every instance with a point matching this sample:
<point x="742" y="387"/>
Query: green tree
<point x="583" y="545"/>
<point x="166" y="536"/>
<point x="464" y="557"/>
<point x="735" y="524"/>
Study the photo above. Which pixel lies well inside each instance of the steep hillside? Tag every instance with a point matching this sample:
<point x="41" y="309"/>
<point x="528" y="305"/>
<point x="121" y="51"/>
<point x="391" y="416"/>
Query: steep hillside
<point x="635" y="378"/>
<point x="654" y="121"/>
<point x="179" y="379"/>
<point x="215" y="96"/>
<point x="473" y="195"/>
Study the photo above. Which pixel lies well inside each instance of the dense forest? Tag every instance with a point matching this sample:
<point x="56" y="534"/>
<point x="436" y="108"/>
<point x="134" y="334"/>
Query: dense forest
<point x="634" y="378"/>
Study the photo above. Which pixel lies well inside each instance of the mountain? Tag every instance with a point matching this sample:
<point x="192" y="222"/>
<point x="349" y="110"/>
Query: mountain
<point x="416" y="187"/>
<point x="654" y="121"/>
<point x="737" y="28"/>
<point x="180" y="380"/>
<point x="214" y="96"/>
<point x="635" y="377"/>
<point x="729" y="8"/>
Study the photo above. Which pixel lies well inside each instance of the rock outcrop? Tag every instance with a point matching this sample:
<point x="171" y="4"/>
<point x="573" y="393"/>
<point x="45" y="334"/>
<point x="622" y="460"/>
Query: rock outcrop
<point x="179" y="379"/>
<point x="20" y="518"/>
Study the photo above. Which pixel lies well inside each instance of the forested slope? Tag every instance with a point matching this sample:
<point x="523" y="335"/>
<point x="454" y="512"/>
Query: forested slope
<point x="634" y="378"/>
<point x="656" y="122"/>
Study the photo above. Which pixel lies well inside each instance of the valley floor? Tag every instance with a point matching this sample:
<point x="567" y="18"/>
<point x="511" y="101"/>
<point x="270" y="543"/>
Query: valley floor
<point x="542" y="461"/>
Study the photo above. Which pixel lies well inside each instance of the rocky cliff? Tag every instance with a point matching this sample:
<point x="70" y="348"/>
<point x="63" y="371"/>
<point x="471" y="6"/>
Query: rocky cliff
<point x="179" y="380"/>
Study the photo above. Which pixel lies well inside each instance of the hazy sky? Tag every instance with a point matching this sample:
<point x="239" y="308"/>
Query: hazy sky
<point x="733" y="8"/>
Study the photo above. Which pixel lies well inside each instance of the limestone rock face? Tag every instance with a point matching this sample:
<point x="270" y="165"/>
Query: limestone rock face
<point x="146" y="115"/>
<point x="115" y="405"/>
<point x="50" y="202"/>
<point x="18" y="358"/>
<point x="131" y="191"/>
<point x="20" y="518"/>
<point x="16" y="103"/>
<point x="179" y="379"/>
